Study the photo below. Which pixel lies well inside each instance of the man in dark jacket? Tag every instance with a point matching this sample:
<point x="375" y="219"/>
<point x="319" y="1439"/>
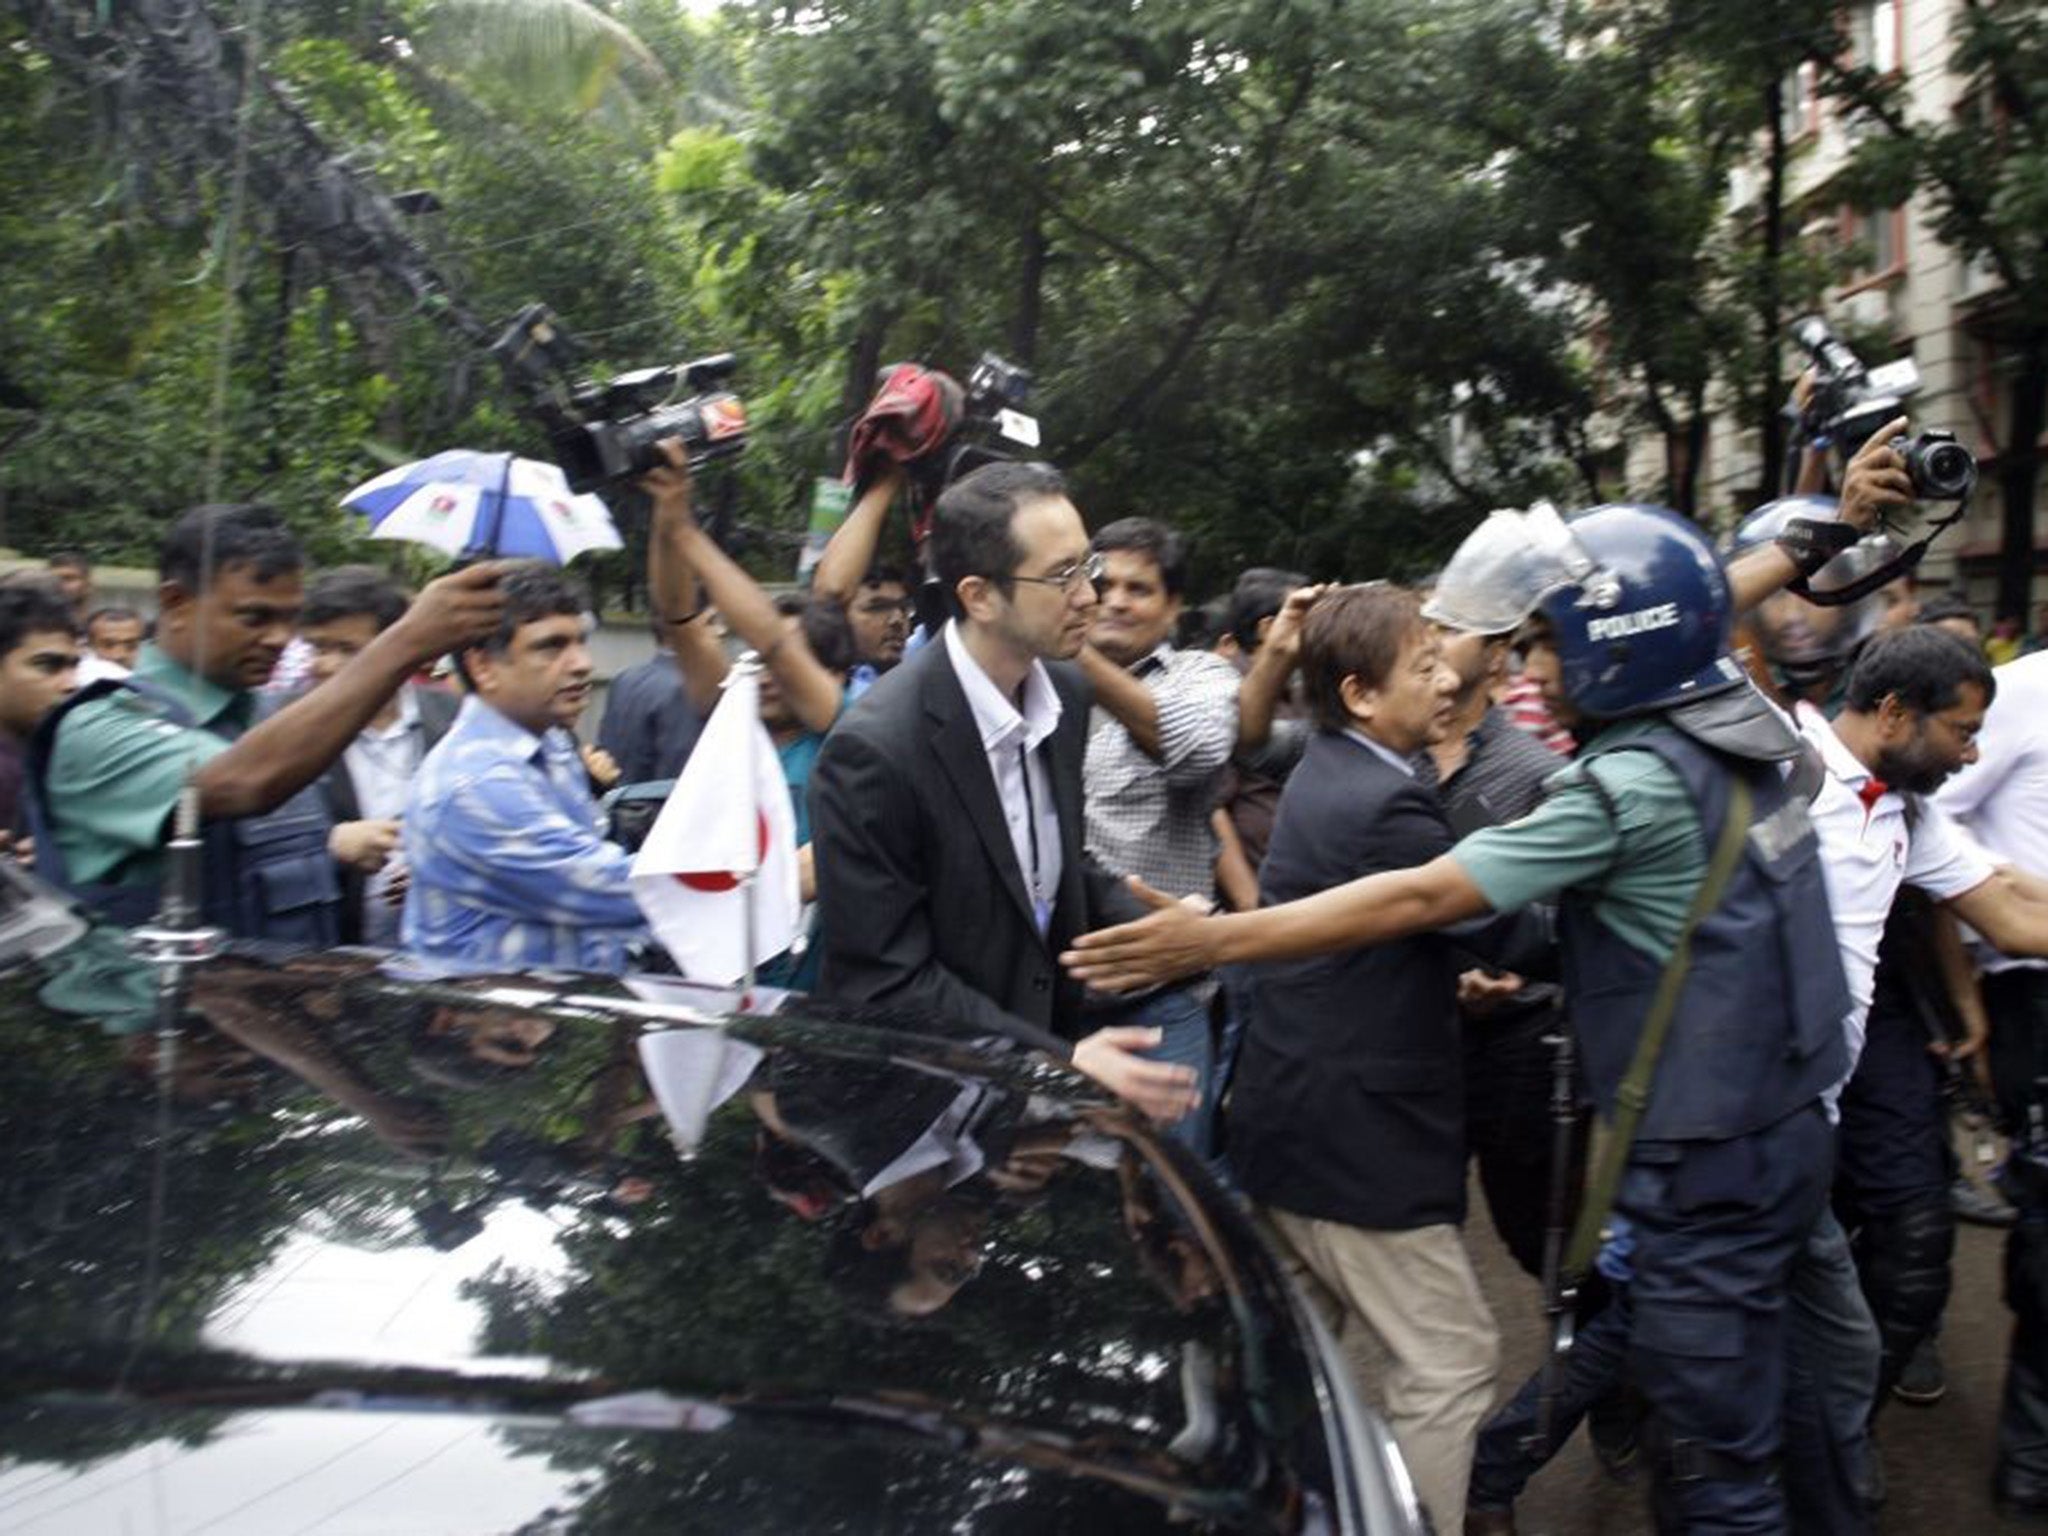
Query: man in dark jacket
<point x="1347" y="1122"/>
<point x="366" y="788"/>
<point x="946" y="805"/>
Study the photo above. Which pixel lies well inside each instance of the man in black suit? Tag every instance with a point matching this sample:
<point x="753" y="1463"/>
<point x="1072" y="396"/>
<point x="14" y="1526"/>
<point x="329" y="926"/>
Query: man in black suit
<point x="1347" y="1116"/>
<point x="946" y="806"/>
<point x="365" y="789"/>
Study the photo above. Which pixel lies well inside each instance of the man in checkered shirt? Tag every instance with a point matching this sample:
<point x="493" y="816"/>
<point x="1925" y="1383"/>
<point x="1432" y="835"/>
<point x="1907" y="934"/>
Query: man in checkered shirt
<point x="1164" y="724"/>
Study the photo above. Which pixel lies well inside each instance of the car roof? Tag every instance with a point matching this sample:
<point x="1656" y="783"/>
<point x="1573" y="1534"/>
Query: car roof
<point x="674" y="1248"/>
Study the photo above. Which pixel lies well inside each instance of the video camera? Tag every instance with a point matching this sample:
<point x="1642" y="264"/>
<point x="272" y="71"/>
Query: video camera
<point x="603" y="431"/>
<point x="1850" y="401"/>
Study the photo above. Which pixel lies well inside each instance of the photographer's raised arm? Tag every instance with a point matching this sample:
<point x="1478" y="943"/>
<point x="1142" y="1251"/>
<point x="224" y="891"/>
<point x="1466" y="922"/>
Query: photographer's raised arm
<point x="272" y="761"/>
<point x="1874" y="484"/>
<point x="850" y="552"/>
<point x="684" y="554"/>
<point x="1266" y="680"/>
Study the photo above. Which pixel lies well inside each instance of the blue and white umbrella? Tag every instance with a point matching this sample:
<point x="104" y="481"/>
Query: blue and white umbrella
<point x="471" y="504"/>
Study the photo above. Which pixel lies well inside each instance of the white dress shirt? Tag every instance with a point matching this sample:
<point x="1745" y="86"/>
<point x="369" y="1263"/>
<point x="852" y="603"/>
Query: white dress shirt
<point x="381" y="764"/>
<point x="1011" y="737"/>
<point x="2002" y="798"/>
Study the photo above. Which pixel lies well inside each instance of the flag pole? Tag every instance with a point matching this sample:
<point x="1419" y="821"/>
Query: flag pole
<point x="749" y="665"/>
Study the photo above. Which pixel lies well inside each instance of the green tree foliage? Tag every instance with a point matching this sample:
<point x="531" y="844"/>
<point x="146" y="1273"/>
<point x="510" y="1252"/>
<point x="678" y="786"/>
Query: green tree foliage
<point x="1321" y="283"/>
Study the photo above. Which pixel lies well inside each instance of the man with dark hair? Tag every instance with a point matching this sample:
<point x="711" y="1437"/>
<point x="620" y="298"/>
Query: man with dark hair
<point x="880" y="619"/>
<point x="650" y="725"/>
<point x="1347" y="1121"/>
<point x="1955" y="616"/>
<point x="1162" y="733"/>
<point x="38" y="669"/>
<point x="73" y="575"/>
<point x="115" y="762"/>
<point x="509" y="861"/>
<point x="113" y="639"/>
<point x="367" y="787"/>
<point x="946" y="804"/>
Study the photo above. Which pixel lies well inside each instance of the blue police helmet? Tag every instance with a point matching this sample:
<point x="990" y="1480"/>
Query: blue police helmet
<point x="1653" y="632"/>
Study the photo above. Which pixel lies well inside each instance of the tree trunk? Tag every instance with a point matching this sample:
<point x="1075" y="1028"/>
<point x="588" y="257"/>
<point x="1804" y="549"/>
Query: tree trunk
<point x="2019" y="473"/>
<point x="1685" y="449"/>
<point x="1770" y="300"/>
<point x="1030" y="291"/>
<point x="863" y="362"/>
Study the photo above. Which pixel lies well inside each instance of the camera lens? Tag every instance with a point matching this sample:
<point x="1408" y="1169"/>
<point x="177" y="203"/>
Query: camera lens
<point x="1947" y="470"/>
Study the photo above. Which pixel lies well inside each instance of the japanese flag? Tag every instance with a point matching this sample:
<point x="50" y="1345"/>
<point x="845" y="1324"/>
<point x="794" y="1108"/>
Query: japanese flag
<point x="728" y="814"/>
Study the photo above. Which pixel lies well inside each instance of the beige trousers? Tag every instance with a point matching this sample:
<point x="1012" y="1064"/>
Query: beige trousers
<point x="1417" y="1293"/>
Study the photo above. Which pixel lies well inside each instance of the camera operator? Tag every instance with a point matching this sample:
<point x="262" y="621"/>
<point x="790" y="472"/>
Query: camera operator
<point x="877" y="597"/>
<point x="805" y="648"/>
<point x="114" y="762"/>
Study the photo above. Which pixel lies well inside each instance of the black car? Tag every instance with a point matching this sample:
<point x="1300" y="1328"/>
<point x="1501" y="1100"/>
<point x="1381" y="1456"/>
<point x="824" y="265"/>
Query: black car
<point x="315" y="1243"/>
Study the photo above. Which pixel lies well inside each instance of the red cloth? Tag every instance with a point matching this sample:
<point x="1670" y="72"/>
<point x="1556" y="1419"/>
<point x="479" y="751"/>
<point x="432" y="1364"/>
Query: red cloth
<point x="912" y="414"/>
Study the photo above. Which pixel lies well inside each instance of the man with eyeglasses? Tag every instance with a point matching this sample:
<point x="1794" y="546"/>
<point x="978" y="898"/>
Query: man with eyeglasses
<point x="879" y="617"/>
<point x="946" y="804"/>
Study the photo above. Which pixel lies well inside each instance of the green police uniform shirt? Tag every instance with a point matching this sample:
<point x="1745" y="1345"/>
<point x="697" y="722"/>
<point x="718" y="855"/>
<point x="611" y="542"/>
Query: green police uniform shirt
<point x="119" y="763"/>
<point x="1639" y="849"/>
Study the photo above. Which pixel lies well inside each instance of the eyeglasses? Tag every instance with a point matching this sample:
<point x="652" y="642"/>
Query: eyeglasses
<point x="1068" y="578"/>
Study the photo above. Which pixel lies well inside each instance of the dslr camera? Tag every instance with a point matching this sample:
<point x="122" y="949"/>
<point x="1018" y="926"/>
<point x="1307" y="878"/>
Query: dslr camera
<point x="1942" y="468"/>
<point x="603" y="431"/>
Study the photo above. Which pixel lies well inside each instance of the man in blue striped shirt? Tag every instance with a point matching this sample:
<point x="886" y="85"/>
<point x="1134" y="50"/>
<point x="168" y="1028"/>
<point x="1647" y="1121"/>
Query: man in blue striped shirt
<point x="510" y="866"/>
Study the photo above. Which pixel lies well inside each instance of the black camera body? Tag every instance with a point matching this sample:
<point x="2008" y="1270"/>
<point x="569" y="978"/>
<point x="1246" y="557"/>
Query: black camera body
<point x="1942" y="468"/>
<point x="990" y="414"/>
<point x="604" y="431"/>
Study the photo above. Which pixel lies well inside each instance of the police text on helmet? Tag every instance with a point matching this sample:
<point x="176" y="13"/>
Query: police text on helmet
<point x="1641" y="621"/>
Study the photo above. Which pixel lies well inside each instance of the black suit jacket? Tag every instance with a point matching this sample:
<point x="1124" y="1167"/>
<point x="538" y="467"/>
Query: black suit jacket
<point x="923" y="905"/>
<point x="438" y="708"/>
<point x="1349" y="1102"/>
<point x="649" y="724"/>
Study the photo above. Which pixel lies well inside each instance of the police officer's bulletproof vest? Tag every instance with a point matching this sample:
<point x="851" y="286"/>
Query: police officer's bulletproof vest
<point x="1758" y="1030"/>
<point x="264" y="877"/>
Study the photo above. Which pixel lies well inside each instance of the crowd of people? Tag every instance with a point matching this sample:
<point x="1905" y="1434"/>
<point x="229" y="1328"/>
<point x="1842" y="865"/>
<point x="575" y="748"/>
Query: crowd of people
<point x="1352" y="886"/>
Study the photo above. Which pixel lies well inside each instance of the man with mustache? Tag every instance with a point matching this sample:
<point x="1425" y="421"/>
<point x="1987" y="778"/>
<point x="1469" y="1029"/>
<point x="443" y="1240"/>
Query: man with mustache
<point x="111" y="766"/>
<point x="509" y="860"/>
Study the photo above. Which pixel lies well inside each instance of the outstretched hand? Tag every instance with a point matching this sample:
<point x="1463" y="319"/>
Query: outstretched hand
<point x="1157" y="1088"/>
<point x="1171" y="942"/>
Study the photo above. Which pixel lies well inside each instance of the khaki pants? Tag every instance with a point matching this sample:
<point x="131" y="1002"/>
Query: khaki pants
<point x="1417" y="1293"/>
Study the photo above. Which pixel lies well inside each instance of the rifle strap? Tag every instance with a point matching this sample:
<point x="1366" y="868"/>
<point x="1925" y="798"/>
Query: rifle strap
<point x="1633" y="1097"/>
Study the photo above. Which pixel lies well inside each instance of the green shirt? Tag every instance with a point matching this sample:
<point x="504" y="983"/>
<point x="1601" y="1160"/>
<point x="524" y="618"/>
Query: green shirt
<point x="1641" y="849"/>
<point x="119" y="763"/>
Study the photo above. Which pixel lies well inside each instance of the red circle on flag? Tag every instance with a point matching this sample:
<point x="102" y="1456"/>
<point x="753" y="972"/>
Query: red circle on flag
<point x="714" y="881"/>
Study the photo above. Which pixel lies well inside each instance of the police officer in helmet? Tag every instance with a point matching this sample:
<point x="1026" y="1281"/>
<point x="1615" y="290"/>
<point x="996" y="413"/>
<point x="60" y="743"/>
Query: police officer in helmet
<point x="1799" y="649"/>
<point x="1728" y="1166"/>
